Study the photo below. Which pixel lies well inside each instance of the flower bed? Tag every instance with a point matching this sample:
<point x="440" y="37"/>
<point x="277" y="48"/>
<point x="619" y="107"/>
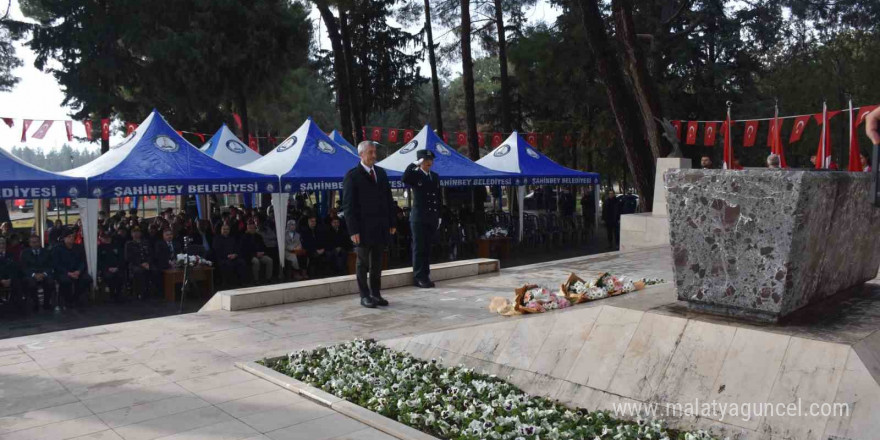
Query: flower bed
<point x="455" y="402"/>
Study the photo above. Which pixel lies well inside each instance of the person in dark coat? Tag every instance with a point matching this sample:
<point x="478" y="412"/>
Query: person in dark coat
<point x="367" y="204"/>
<point x="139" y="257"/>
<point x="588" y="209"/>
<point x="37" y="271"/>
<point x="253" y="251"/>
<point x="229" y="258"/>
<point x="165" y="251"/>
<point x="425" y="214"/>
<point x="338" y="246"/>
<point x="70" y="270"/>
<point x="611" y="217"/>
<point x="111" y="265"/>
<point x="10" y="276"/>
<point x="313" y="241"/>
<point x="55" y="233"/>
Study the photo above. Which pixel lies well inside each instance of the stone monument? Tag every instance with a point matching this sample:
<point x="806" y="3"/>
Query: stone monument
<point x="761" y="244"/>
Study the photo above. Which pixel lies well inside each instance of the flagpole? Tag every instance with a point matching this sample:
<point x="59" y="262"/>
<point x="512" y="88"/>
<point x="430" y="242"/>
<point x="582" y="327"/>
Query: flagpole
<point x="728" y="147"/>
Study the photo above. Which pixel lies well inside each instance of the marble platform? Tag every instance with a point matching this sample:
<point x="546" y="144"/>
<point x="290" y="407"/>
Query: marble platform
<point x="650" y="229"/>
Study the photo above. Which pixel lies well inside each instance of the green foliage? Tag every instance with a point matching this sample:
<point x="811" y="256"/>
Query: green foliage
<point x="60" y="159"/>
<point x="8" y="61"/>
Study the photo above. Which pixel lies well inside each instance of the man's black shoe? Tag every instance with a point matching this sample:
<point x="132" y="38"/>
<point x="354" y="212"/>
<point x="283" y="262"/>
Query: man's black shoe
<point x="380" y="301"/>
<point x="368" y="302"/>
<point x="430" y="283"/>
<point x="424" y="284"/>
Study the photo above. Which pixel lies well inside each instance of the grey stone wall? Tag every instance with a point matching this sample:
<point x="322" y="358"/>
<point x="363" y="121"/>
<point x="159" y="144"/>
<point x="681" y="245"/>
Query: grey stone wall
<point x="764" y="243"/>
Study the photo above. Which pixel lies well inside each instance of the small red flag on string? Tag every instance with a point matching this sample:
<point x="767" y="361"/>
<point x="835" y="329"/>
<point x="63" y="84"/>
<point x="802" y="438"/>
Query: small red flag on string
<point x="800" y="123"/>
<point x="446" y="137"/>
<point x="496" y="139"/>
<point x="532" y="139"/>
<point x="130" y="127"/>
<point x="105" y="129"/>
<point x="750" y="134"/>
<point x="376" y="134"/>
<point x="548" y="140"/>
<point x="567" y="141"/>
<point x="44" y="128"/>
<point x="179" y="133"/>
<point x="392" y="135"/>
<point x="364" y="133"/>
<point x="25" y="125"/>
<point x="863" y="113"/>
<point x="9" y="122"/>
<point x="677" y="125"/>
<point x="728" y="163"/>
<point x="692" y="133"/>
<point x="252" y="143"/>
<point x="408" y="135"/>
<point x="461" y="138"/>
<point x="68" y="127"/>
<point x="481" y="140"/>
<point x="201" y="137"/>
<point x="88" y="126"/>
<point x="237" y="119"/>
<point x="709" y="134"/>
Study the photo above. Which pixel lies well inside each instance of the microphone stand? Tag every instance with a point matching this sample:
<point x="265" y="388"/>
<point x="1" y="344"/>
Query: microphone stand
<point x="183" y="286"/>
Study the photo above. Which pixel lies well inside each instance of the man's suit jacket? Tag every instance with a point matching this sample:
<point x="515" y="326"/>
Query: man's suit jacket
<point x="162" y="255"/>
<point x="368" y="205"/>
<point x="31" y="263"/>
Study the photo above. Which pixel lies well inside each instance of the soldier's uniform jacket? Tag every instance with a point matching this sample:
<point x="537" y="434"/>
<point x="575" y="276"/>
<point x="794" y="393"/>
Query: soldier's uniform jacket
<point x="426" y="194"/>
<point x="137" y="253"/>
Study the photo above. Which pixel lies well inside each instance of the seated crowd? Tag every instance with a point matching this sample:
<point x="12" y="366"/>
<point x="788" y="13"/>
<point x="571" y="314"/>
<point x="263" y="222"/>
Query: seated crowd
<point x="132" y="252"/>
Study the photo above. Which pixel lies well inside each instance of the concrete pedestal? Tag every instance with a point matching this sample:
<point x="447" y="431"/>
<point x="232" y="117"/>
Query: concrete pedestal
<point x="652" y="228"/>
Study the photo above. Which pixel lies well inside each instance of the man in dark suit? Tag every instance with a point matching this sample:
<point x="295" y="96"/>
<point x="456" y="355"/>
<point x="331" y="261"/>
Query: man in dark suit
<point x="314" y="242"/>
<point x="425" y="214"/>
<point x="10" y="277"/>
<point x="36" y="264"/>
<point x="338" y="245"/>
<point x="139" y="257"/>
<point x="367" y="203"/>
<point x="165" y="251"/>
<point x="70" y="270"/>
<point x="229" y="258"/>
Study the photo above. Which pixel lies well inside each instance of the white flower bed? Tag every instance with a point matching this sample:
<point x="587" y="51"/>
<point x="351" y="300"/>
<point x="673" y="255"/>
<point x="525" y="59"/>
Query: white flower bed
<point x="453" y="403"/>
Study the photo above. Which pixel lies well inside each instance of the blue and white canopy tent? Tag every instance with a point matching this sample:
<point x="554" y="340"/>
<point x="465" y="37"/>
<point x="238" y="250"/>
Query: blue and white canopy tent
<point x="21" y="180"/>
<point x="155" y="160"/>
<point x="225" y="147"/>
<point x="515" y="155"/>
<point x="308" y="160"/>
<point x="453" y="168"/>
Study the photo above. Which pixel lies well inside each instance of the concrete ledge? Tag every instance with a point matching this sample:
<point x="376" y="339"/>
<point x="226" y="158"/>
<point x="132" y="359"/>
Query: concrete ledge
<point x="285" y="293"/>
<point x="363" y="415"/>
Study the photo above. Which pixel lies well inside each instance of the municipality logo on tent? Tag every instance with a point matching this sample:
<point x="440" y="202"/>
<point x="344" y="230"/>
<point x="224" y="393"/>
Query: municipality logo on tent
<point x="73" y="192"/>
<point x="532" y="153"/>
<point x="270" y="187"/>
<point x="235" y="146"/>
<point x="441" y="149"/>
<point x="324" y="147"/>
<point x="97" y="193"/>
<point x="165" y="144"/>
<point x="502" y="150"/>
<point x="412" y="145"/>
<point x="286" y="145"/>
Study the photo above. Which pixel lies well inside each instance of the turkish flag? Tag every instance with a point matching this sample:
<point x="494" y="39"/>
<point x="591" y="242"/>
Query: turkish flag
<point x="496" y="139"/>
<point x="376" y="134"/>
<point x="800" y="123"/>
<point x="532" y="139"/>
<point x="130" y="127"/>
<point x="105" y="129"/>
<point x="237" y="120"/>
<point x="363" y="132"/>
<point x="392" y="135"/>
<point x="481" y="140"/>
<point x="446" y="137"/>
<point x="548" y="140"/>
<point x="863" y="113"/>
<point x="44" y="128"/>
<point x="709" y="134"/>
<point x="677" y="126"/>
<point x="202" y="137"/>
<point x="823" y="150"/>
<point x="461" y="138"/>
<point x="692" y="133"/>
<point x="9" y="122"/>
<point x="750" y="134"/>
<point x="855" y="160"/>
<point x="408" y="135"/>
<point x="25" y="125"/>
<point x="775" y="141"/>
<point x="88" y="126"/>
<point x="179" y="133"/>
<point x="567" y="141"/>
<point x="728" y="146"/>
<point x="252" y="143"/>
<point x="68" y="126"/>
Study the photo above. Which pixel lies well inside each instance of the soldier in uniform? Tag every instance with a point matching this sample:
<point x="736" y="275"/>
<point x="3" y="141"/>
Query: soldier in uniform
<point x="425" y="214"/>
<point x="139" y="257"/>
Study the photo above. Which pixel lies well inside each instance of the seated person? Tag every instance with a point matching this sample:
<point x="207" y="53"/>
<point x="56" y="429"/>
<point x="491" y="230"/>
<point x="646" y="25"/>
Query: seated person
<point x="294" y="254"/>
<point x="70" y="270"/>
<point x="165" y="251"/>
<point x="338" y="246"/>
<point x="314" y="243"/>
<point x="253" y="251"/>
<point x="138" y="256"/>
<point x="110" y="265"/>
<point x="10" y="276"/>
<point x="37" y="269"/>
<point x="228" y="257"/>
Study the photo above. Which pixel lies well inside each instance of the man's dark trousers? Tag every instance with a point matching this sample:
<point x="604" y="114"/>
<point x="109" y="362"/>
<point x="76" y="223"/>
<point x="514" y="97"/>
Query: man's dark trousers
<point x="369" y="259"/>
<point x="423" y="237"/>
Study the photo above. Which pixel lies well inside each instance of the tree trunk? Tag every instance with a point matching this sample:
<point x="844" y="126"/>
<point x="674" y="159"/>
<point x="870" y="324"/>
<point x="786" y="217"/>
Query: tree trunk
<point x="644" y="88"/>
<point x="432" y="60"/>
<point x="502" y="60"/>
<point x="639" y="156"/>
<point x="467" y="76"/>
<point x="341" y="80"/>
<point x="356" y="110"/>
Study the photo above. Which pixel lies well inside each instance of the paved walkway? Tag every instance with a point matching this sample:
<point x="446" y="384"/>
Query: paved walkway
<point x="174" y="377"/>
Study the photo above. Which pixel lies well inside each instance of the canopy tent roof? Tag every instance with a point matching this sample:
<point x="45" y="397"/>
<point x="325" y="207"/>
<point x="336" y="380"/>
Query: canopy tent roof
<point x="154" y="159"/>
<point x="21" y="180"/>
<point x="227" y="148"/>
<point x="453" y="168"/>
<point x="339" y="139"/>
<point x="515" y="155"/>
<point x="308" y="160"/>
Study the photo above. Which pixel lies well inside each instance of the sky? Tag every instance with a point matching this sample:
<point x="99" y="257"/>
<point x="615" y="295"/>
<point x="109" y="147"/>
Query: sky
<point x="38" y="96"/>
